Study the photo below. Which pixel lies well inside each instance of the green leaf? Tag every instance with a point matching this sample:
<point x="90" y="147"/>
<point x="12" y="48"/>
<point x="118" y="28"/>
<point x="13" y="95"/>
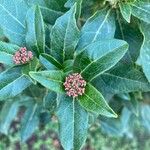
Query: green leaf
<point x="145" y="50"/>
<point x="52" y="80"/>
<point x="99" y="57"/>
<point x="132" y="35"/>
<point x="123" y="79"/>
<point x="64" y="36"/>
<point x="31" y="66"/>
<point x="49" y="101"/>
<point x="30" y="121"/>
<point x="35" y="36"/>
<point x="117" y="127"/>
<point x="141" y="10"/>
<point x="145" y="110"/>
<point x="73" y="123"/>
<point x="51" y="60"/>
<point x="93" y="101"/>
<point x="99" y="27"/>
<point x="6" y="53"/>
<point x="51" y="9"/>
<point x="7" y="114"/>
<point x="12" y="83"/>
<point x="47" y="64"/>
<point x="125" y="9"/>
<point x="70" y="3"/>
<point x="12" y="20"/>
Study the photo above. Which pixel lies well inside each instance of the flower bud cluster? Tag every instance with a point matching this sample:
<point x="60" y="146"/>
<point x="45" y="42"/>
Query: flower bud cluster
<point x="75" y="85"/>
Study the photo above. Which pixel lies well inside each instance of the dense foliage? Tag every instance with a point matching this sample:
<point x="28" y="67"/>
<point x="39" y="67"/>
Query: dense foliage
<point x="79" y="60"/>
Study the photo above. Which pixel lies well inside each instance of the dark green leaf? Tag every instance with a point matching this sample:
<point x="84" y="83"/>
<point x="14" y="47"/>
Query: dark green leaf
<point x="54" y="63"/>
<point x="99" y="27"/>
<point x="99" y="57"/>
<point x="51" y="9"/>
<point x="93" y="101"/>
<point x="52" y="80"/>
<point x="73" y="123"/>
<point x="35" y="36"/>
<point x="64" y="36"/>
<point x="123" y="79"/>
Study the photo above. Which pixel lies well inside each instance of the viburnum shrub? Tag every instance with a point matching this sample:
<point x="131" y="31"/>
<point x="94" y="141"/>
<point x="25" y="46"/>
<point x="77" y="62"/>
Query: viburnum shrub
<point x="82" y="61"/>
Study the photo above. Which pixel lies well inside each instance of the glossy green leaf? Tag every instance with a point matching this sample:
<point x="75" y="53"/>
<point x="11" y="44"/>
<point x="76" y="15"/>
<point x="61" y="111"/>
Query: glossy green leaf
<point x="51" y="61"/>
<point x="64" y="36"/>
<point x="73" y="123"/>
<point x="12" y="16"/>
<point x="12" y="83"/>
<point x="141" y="10"/>
<point x="93" y="101"/>
<point x="125" y="9"/>
<point x="29" y="122"/>
<point x="99" y="57"/>
<point x="52" y="80"/>
<point x="6" y="53"/>
<point x="99" y="27"/>
<point x="7" y="114"/>
<point x="35" y="36"/>
<point x="145" y="50"/>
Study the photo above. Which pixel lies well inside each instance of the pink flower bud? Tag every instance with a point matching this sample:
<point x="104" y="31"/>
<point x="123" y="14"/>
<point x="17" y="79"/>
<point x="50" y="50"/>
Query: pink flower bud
<point x="74" y="85"/>
<point x="22" y="56"/>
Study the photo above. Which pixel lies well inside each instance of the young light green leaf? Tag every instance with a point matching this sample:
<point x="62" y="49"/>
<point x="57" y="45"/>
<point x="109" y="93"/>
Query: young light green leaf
<point x="99" y="57"/>
<point x="35" y="36"/>
<point x="145" y="49"/>
<point x="7" y="114"/>
<point x="73" y="123"/>
<point x="64" y="36"/>
<point x="12" y="20"/>
<point x="141" y="10"/>
<point x="12" y="83"/>
<point x="52" y="80"/>
<point x="99" y="27"/>
<point x="6" y="53"/>
<point x="125" y="9"/>
<point x="30" y="121"/>
<point x="93" y="101"/>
